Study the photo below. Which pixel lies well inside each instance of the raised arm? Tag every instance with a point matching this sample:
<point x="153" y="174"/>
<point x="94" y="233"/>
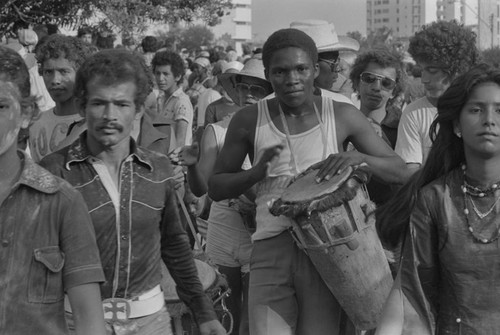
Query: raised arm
<point x="229" y="180"/>
<point x="352" y="126"/>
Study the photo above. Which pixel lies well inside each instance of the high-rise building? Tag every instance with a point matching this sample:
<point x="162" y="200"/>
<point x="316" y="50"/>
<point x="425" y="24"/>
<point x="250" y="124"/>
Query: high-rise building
<point x="238" y="23"/>
<point x="405" y="17"/>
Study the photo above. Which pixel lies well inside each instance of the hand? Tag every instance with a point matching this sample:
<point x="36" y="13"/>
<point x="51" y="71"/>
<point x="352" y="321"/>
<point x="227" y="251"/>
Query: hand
<point x="186" y="155"/>
<point x="270" y="155"/>
<point x="336" y="163"/>
<point x="178" y="176"/>
<point x="212" y="327"/>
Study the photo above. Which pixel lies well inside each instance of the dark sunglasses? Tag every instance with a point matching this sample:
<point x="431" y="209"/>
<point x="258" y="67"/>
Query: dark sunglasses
<point x="334" y="65"/>
<point x="386" y="82"/>
<point x="256" y="91"/>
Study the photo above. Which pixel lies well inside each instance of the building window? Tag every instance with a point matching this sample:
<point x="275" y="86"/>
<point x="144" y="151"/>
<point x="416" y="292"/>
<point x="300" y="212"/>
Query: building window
<point x="385" y="20"/>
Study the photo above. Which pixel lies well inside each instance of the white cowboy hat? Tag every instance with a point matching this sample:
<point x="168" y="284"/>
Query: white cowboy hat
<point x="325" y="36"/>
<point x="253" y="68"/>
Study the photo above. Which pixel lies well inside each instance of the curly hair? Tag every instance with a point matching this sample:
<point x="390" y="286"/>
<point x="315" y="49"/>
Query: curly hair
<point x="448" y="44"/>
<point x="169" y="58"/>
<point x="385" y="58"/>
<point x="110" y="67"/>
<point x="13" y="69"/>
<point x="288" y="38"/>
<point x="69" y="47"/>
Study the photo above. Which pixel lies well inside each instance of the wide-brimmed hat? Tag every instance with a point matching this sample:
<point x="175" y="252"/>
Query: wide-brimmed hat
<point x="202" y="61"/>
<point x="325" y="36"/>
<point x="253" y="68"/>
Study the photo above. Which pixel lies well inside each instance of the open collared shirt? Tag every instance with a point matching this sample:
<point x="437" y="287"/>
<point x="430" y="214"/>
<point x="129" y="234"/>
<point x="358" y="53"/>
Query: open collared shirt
<point x="136" y="223"/>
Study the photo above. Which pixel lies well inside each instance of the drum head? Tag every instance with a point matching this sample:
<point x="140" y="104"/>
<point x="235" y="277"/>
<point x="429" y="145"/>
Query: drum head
<point x="305" y="188"/>
<point x="206" y="274"/>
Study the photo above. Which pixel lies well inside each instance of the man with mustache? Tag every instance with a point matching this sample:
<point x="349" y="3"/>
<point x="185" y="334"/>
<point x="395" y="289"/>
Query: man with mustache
<point x="443" y="50"/>
<point x="60" y="57"/>
<point x="129" y="191"/>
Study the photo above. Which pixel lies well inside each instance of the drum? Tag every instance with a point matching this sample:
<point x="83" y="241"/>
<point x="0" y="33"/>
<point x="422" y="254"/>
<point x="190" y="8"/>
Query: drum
<point x="214" y="285"/>
<point x="334" y="225"/>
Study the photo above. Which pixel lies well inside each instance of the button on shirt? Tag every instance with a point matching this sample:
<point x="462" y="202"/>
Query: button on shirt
<point x="47" y="247"/>
<point x="136" y="223"/>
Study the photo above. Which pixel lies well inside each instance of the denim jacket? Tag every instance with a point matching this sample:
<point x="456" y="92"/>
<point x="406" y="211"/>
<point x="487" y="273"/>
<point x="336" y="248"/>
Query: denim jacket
<point x="145" y="227"/>
<point x="47" y="246"/>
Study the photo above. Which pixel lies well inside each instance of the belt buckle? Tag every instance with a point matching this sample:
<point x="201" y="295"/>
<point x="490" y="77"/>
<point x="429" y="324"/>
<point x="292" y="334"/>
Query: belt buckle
<point x="116" y="309"/>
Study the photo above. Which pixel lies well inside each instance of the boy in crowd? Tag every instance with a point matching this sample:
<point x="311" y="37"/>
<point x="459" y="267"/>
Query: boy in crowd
<point x="60" y="57"/>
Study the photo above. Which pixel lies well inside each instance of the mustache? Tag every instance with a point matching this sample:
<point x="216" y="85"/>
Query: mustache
<point x="110" y="125"/>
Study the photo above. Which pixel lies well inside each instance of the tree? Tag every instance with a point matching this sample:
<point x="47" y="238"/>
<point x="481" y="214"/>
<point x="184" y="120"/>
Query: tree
<point x="492" y="56"/>
<point x="124" y="15"/>
<point x="195" y="36"/>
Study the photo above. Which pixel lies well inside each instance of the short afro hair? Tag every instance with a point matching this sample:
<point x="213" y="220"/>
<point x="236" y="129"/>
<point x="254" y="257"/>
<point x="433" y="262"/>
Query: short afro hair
<point x="288" y="38"/>
<point x="169" y="58"/>
<point x="111" y="67"/>
<point x="385" y="58"/>
<point x="448" y="44"/>
<point x="149" y="44"/>
<point x="69" y="47"/>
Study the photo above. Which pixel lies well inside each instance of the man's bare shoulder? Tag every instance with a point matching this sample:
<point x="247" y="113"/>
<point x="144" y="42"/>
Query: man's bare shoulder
<point x="245" y="117"/>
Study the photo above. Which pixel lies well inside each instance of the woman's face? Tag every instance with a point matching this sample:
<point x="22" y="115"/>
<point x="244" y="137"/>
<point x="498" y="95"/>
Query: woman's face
<point x="479" y="121"/>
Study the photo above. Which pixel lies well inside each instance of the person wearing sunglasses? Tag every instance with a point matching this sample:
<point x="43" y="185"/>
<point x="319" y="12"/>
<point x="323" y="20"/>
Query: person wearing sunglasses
<point x="377" y="76"/>
<point x="329" y="45"/>
<point x="443" y="50"/>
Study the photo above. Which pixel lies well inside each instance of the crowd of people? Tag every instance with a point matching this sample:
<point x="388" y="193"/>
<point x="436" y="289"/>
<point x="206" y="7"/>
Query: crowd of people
<point x="112" y="157"/>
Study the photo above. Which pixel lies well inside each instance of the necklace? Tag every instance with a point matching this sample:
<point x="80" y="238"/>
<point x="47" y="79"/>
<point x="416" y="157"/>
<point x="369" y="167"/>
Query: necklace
<point x="467" y="194"/>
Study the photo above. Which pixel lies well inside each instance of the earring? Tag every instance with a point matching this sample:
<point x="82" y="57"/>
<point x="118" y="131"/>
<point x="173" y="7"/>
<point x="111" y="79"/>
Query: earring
<point x="459" y="134"/>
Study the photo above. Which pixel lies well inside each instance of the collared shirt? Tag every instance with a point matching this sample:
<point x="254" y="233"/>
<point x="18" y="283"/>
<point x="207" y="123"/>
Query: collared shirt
<point x="177" y="107"/>
<point x="136" y="224"/>
<point x="47" y="246"/>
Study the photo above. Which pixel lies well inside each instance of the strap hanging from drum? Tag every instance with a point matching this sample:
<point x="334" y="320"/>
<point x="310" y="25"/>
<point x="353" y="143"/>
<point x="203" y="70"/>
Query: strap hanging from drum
<point x="289" y="142"/>
<point x="188" y="218"/>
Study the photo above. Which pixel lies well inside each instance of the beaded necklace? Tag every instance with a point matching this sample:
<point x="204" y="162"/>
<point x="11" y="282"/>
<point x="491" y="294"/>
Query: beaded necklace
<point x="469" y="191"/>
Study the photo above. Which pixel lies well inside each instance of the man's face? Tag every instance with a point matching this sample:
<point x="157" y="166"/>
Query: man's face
<point x="11" y="116"/>
<point x="250" y="91"/>
<point x="87" y="38"/>
<point x="435" y="80"/>
<point x="59" y="77"/>
<point x="165" y="79"/>
<point x="292" y="73"/>
<point x="375" y="95"/>
<point x="328" y="70"/>
<point x="110" y="112"/>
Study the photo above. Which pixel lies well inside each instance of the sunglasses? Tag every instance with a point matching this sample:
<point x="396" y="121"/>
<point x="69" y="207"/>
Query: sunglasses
<point x="386" y="82"/>
<point x="256" y="91"/>
<point x="334" y="65"/>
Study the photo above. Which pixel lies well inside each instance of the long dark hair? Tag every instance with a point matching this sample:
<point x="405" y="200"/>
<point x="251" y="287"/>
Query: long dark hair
<point x="446" y="154"/>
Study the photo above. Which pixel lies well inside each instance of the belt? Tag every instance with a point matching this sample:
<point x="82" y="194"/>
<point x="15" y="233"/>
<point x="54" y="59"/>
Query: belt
<point x="120" y="309"/>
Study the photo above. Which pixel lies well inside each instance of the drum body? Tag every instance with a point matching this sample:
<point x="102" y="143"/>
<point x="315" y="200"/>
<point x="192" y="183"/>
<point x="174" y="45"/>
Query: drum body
<point x="342" y="243"/>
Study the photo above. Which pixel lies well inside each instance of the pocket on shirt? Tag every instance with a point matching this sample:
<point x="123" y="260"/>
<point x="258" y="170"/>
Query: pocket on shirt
<point x="45" y="277"/>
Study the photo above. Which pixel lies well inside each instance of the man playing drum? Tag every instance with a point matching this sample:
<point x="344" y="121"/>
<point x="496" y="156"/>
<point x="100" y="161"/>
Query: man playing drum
<point x="284" y="136"/>
<point x="130" y="194"/>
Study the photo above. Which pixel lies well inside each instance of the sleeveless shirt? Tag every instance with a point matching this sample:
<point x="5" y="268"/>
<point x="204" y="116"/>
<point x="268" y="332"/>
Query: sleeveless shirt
<point x="308" y="148"/>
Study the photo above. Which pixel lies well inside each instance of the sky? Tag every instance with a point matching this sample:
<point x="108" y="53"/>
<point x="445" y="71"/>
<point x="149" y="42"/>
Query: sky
<point x="271" y="15"/>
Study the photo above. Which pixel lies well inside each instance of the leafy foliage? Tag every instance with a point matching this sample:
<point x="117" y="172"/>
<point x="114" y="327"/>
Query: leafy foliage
<point x="125" y="15"/>
<point x="492" y="56"/>
<point x="195" y="36"/>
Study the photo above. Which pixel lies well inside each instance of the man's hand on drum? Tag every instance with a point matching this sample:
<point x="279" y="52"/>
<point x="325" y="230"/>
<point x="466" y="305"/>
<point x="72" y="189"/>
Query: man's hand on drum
<point x="186" y="155"/>
<point x="268" y="157"/>
<point x="336" y="163"/>
<point x="213" y="327"/>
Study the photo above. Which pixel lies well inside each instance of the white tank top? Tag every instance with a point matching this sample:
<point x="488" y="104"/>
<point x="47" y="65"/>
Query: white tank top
<point x="308" y="148"/>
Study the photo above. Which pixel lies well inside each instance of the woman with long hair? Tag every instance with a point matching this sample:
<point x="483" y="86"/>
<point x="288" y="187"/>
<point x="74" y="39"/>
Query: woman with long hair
<point x="449" y="219"/>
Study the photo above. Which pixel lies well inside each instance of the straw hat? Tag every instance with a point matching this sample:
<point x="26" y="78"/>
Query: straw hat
<point x="325" y="36"/>
<point x="253" y="68"/>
